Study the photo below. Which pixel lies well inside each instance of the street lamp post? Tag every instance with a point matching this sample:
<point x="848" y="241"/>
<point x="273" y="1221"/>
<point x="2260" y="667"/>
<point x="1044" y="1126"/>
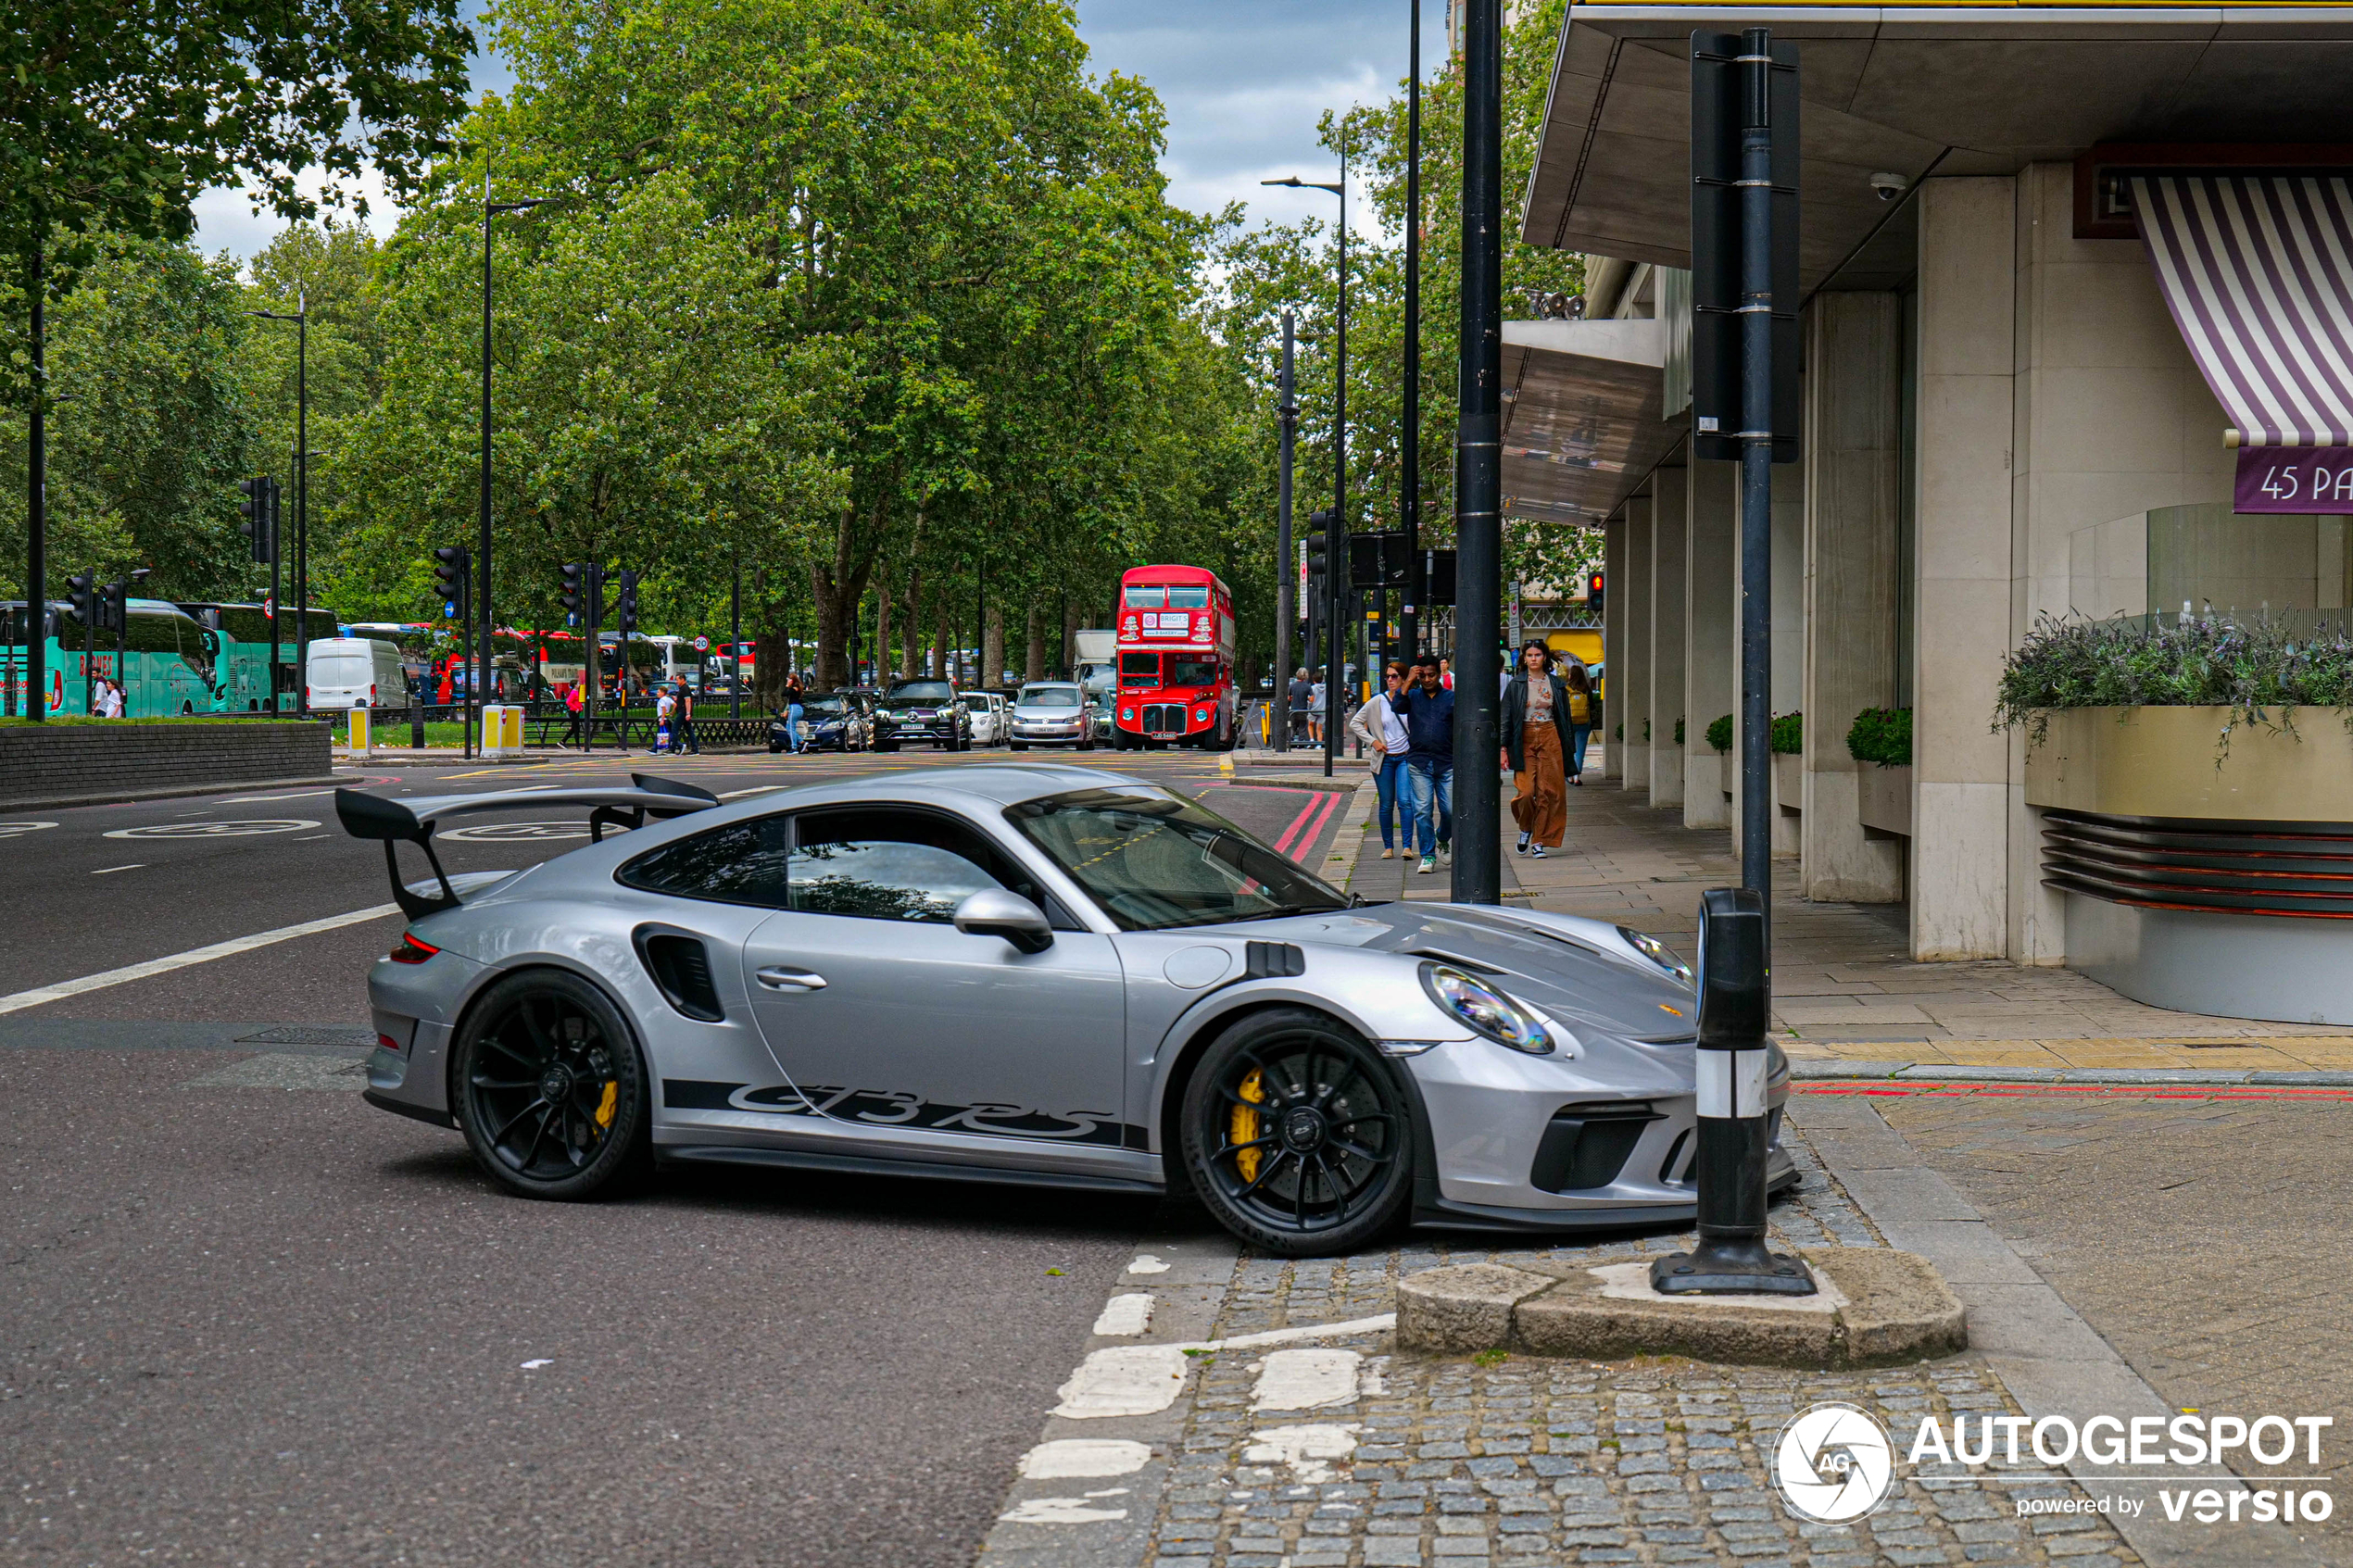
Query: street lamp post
<point x="1336" y="538"/>
<point x="301" y="319"/>
<point x="36" y="554"/>
<point x="1410" y="492"/>
<point x="481" y="678"/>
<point x="1479" y="478"/>
<point x="1286" y="613"/>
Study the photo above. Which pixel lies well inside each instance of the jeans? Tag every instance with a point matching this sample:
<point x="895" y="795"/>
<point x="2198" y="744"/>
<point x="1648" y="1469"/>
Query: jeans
<point x="1432" y="776"/>
<point x="1577" y="734"/>
<point x="792" y="727"/>
<point x="1388" y="783"/>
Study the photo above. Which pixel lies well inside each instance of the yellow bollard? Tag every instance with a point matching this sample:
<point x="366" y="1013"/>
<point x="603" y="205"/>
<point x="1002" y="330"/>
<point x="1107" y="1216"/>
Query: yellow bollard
<point x="362" y="734"/>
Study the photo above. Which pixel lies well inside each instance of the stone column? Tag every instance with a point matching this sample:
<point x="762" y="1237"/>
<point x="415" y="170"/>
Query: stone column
<point x="1669" y="534"/>
<point x="1635" y="712"/>
<point x="1710" y="637"/>
<point x="1613" y="643"/>
<point x="1853" y="505"/>
<point x="1789" y="642"/>
<point x="1961" y="623"/>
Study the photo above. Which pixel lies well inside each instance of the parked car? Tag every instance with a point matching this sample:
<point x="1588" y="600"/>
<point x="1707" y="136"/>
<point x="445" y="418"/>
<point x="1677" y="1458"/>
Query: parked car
<point x="829" y="721"/>
<point x="992" y="717"/>
<point x="922" y="711"/>
<point x="1052" y="713"/>
<point x="348" y="672"/>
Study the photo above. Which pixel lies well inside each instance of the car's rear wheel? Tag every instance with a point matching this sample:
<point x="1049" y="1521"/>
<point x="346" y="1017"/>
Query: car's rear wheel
<point x="552" y="1093"/>
<point x="1297" y="1135"/>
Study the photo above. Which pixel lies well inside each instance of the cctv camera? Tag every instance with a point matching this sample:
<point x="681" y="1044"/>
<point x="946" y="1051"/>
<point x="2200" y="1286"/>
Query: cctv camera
<point x="1888" y="186"/>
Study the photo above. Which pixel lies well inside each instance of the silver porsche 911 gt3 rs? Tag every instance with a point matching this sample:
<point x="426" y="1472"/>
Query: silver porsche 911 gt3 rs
<point x="1028" y="974"/>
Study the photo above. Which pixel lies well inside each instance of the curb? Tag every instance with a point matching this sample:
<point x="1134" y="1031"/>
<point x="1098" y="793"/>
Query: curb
<point x="174" y="792"/>
<point x="1935" y="1073"/>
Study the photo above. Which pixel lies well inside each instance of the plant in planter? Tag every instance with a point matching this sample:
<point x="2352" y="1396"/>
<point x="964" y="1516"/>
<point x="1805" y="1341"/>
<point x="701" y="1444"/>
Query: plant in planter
<point x="2247" y="665"/>
<point x="1882" y="736"/>
<point x="1789" y="734"/>
<point x="1720" y="734"/>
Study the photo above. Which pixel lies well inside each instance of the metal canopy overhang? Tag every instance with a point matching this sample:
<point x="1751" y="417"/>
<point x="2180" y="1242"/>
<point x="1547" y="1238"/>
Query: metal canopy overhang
<point x="1969" y="90"/>
<point x="1581" y="425"/>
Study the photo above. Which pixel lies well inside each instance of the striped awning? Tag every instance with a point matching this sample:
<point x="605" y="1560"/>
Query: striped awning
<point x="2257" y="269"/>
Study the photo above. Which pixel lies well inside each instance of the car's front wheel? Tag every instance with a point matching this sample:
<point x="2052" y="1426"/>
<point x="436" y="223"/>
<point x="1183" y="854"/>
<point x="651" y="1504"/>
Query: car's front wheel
<point x="551" y="1091"/>
<point x="1297" y="1135"/>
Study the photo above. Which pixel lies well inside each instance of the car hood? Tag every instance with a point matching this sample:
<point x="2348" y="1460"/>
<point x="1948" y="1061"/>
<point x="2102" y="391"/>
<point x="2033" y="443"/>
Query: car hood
<point x="1575" y="980"/>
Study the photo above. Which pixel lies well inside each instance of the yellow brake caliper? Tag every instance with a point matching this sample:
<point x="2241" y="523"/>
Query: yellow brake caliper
<point x="605" y="1105"/>
<point x="1243" y="1127"/>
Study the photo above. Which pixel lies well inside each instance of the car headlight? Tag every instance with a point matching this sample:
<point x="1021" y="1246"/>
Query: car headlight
<point x="1486" y="1011"/>
<point x="1655" y="950"/>
<point x="1127" y="713"/>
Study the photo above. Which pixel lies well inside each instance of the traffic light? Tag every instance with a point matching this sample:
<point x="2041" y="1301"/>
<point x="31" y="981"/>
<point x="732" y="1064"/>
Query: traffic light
<point x="1593" y="593"/>
<point x="1319" y="559"/>
<point x="449" y="574"/>
<point x="114" y="608"/>
<point x="624" y="616"/>
<point x="576" y="590"/>
<point x="259" y="509"/>
<point x="81" y="593"/>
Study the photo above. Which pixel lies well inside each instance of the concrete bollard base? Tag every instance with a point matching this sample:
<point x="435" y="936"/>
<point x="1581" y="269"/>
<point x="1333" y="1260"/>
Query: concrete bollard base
<point x="1876" y="1306"/>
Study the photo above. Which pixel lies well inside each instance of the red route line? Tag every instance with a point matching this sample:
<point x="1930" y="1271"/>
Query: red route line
<point x="1328" y="803"/>
<point x="2137" y="1091"/>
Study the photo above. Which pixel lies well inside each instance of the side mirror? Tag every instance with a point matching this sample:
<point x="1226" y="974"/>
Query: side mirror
<point x="995" y="912"/>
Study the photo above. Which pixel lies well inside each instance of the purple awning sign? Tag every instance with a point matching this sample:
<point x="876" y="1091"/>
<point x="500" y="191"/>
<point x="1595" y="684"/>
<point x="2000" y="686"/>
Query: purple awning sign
<point x="2295" y="479"/>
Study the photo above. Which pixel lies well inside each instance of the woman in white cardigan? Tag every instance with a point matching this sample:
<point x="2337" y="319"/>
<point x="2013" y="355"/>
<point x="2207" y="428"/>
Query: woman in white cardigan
<point x="1380" y="729"/>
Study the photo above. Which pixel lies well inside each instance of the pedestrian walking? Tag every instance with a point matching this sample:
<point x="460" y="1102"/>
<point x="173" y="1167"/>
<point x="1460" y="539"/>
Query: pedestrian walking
<point x="1429" y="765"/>
<point x="1302" y="700"/>
<point x="1380" y="727"/>
<point x="794" y="709"/>
<point x="665" y="711"/>
<point x="1316" y="714"/>
<point x="686" y="712"/>
<point x="110" y="701"/>
<point x="1579" y="682"/>
<point x="1446" y="674"/>
<point x="1535" y="732"/>
<point x="575" y="708"/>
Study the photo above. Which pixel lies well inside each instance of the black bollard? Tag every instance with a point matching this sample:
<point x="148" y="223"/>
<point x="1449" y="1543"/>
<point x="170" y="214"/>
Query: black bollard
<point x="1735" y="1001"/>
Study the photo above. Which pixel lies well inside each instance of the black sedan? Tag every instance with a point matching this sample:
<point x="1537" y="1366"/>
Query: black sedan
<point x="915" y="710"/>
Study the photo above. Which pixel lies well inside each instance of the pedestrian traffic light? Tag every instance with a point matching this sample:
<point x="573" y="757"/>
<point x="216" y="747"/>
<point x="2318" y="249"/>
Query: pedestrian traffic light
<point x="575" y="593"/>
<point x="624" y="617"/>
<point x="259" y="510"/>
<point x="450" y="574"/>
<point x="81" y="593"/>
<point x="1593" y="593"/>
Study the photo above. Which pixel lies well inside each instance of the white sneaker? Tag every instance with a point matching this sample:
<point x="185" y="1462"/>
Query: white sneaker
<point x="1523" y="842"/>
<point x="1536" y="853"/>
<point x="1446" y="854"/>
<point x="1427" y="866"/>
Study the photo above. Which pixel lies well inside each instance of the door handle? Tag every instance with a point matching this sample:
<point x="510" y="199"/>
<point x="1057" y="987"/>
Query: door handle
<point x="778" y="978"/>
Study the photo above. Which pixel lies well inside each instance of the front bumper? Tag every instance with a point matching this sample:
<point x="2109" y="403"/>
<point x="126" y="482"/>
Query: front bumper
<point x="1513" y="1139"/>
<point x="1051" y="734"/>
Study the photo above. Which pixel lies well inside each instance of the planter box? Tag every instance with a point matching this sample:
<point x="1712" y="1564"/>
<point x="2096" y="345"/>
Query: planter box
<point x="2170" y="763"/>
<point x="1789" y="782"/>
<point x="57" y="764"/>
<point x="1883" y="799"/>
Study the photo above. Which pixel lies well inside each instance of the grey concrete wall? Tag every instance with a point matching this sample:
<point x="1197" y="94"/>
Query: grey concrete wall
<point x="1708" y="650"/>
<point x="1635" y="710"/>
<point x="1854" y="502"/>
<point x="64" y="763"/>
<point x="1962" y="565"/>
<point x="1669" y="538"/>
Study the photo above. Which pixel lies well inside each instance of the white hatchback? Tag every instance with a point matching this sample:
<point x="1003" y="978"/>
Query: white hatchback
<point x="992" y="718"/>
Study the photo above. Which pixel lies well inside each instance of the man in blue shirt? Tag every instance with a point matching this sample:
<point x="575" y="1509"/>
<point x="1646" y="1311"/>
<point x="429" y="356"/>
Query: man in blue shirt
<point x="1429" y="763"/>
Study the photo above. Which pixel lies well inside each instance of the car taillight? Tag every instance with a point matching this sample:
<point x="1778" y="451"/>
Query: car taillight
<point x="386" y="1042"/>
<point x="411" y="950"/>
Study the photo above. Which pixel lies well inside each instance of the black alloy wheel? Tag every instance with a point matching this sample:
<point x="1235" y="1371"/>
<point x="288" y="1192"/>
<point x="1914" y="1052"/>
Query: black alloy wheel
<point x="1297" y="1135"/>
<point x="551" y="1089"/>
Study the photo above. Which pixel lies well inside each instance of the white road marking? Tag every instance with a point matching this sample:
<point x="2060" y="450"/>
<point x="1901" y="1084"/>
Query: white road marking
<point x="1146" y="1265"/>
<point x="17" y="830"/>
<point x="252" y="829"/>
<point x="1068" y="1459"/>
<point x="1307" y="1450"/>
<point x="1059" y="1511"/>
<point x="230" y="948"/>
<point x="1306" y="1380"/>
<point x="536" y="1364"/>
<point x="1124" y="1316"/>
<point x="1126" y="1380"/>
<point x="1347" y="1330"/>
<point x="298" y="795"/>
<point x="109" y="871"/>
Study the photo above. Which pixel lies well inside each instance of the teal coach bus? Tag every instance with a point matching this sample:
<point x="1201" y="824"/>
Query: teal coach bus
<point x="170" y="664"/>
<point x="241" y="635"/>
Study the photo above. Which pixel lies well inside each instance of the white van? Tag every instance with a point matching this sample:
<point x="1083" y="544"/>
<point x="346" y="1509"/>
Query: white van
<point x="356" y="673"/>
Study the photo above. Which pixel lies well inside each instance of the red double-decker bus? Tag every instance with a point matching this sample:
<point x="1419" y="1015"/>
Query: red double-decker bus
<point x="1175" y="660"/>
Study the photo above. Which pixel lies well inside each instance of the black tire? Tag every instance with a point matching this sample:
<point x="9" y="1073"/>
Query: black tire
<point x="1121" y="740"/>
<point x="551" y="1089"/>
<point x="1326" y="1165"/>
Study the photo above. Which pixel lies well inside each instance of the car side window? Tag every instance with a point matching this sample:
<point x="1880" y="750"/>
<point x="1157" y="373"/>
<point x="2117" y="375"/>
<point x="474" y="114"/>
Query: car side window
<point x="880" y="863"/>
<point x="741" y="863"/>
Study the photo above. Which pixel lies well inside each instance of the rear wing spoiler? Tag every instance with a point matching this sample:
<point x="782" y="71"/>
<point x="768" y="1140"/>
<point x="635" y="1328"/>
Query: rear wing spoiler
<point x="413" y="821"/>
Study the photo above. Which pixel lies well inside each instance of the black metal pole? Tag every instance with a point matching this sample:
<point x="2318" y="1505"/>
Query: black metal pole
<point x="736" y="638"/>
<point x="1479" y="483"/>
<point x="594" y="676"/>
<point x="466" y="657"/>
<point x="1757" y="467"/>
<point x="1285" y="569"/>
<point x="481" y="678"/>
<point x="277" y="603"/>
<point x="36" y="554"/>
<point x="1336" y="537"/>
<point x="302" y="504"/>
<point x="1409" y="620"/>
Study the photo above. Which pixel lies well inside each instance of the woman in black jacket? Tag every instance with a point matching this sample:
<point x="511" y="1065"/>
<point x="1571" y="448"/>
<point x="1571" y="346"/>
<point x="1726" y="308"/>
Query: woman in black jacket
<point x="1536" y="737"/>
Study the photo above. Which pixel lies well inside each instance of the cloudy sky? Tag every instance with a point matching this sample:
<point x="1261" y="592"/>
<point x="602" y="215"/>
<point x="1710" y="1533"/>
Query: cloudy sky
<point x="1243" y="81"/>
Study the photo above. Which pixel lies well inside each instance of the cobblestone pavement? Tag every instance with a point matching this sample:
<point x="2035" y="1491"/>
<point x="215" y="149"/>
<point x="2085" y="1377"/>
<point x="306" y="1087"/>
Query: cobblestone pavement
<point x="1521" y="1461"/>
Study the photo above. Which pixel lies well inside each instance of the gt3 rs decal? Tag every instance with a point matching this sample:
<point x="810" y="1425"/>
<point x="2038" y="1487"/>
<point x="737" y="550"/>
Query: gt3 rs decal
<point x="884" y="1108"/>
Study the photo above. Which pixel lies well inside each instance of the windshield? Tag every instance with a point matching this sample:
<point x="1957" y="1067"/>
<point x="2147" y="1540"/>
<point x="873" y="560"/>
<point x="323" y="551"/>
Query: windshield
<point x="1049" y="696"/>
<point x="922" y="691"/>
<point x="1183" y="671"/>
<point x="1154" y="861"/>
<point x="825" y="705"/>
